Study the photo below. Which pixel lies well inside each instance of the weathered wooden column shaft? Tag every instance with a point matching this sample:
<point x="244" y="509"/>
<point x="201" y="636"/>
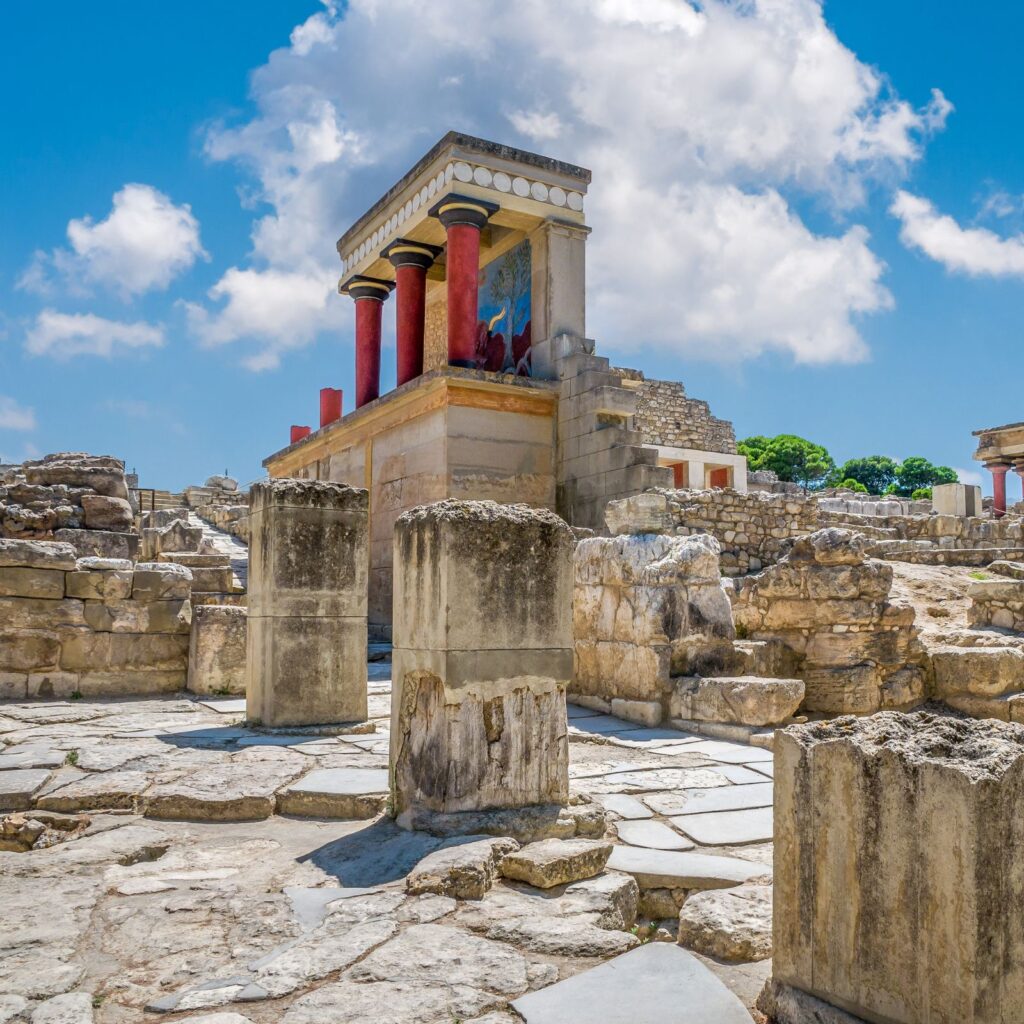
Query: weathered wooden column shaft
<point x="308" y="570"/>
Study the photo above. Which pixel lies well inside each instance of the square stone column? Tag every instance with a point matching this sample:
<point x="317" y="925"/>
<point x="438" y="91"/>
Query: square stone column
<point x="308" y="571"/>
<point x="899" y="871"/>
<point x="482" y="655"/>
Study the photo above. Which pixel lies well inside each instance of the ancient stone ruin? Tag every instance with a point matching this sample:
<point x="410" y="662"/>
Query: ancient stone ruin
<point x="495" y="701"/>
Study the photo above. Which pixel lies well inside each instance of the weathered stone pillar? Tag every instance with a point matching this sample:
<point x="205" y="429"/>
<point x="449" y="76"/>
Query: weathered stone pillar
<point x="308" y="569"/>
<point x="482" y="655"/>
<point x="998" y="471"/>
<point x="411" y="261"/>
<point x="899" y="871"/>
<point x="463" y="218"/>
<point x="369" y="295"/>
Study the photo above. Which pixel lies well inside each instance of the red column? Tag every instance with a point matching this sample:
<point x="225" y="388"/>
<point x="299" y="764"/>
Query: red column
<point x="369" y="295"/>
<point x="411" y="261"/>
<point x="462" y="217"/>
<point x="296" y="434"/>
<point x="998" y="471"/>
<point x="330" y="405"/>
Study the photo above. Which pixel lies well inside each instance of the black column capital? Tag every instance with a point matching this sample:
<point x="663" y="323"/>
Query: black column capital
<point x="361" y="287"/>
<point x="456" y="209"/>
<point x="403" y="252"/>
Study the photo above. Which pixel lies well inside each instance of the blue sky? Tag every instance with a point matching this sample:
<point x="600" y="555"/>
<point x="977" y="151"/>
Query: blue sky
<point x="234" y="150"/>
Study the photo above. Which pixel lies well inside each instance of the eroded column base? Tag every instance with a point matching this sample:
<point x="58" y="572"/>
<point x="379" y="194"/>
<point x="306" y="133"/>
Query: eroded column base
<point x="783" y="1004"/>
<point x="525" y="824"/>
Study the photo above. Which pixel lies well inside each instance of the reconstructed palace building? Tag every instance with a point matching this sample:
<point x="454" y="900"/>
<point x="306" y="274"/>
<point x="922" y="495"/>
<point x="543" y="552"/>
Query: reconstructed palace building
<point x="480" y="250"/>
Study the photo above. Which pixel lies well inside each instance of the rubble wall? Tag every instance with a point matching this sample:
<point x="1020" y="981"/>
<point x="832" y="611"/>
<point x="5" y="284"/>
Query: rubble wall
<point x="664" y="415"/>
<point x="90" y="626"/>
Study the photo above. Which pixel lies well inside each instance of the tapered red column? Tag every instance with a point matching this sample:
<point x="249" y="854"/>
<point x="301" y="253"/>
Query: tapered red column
<point x="411" y="261"/>
<point x="998" y="471"/>
<point x="369" y="295"/>
<point x="330" y="405"/>
<point x="463" y="218"/>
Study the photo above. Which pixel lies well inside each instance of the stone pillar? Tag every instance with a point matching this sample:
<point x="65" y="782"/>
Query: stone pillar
<point x="369" y="295"/>
<point x="411" y="261"/>
<point x="482" y="656"/>
<point x="1018" y="468"/>
<point x="330" y="405"/>
<point x="297" y="433"/>
<point x="308" y="569"/>
<point x="899" y="871"/>
<point x="463" y="218"/>
<point x="998" y="471"/>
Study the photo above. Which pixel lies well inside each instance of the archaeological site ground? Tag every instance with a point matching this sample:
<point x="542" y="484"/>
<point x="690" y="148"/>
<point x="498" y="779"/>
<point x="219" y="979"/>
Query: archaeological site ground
<point x="512" y="694"/>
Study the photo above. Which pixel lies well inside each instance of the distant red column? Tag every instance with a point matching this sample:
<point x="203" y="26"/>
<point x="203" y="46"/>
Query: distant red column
<point x="296" y="434"/>
<point x="463" y="218"/>
<point x="998" y="471"/>
<point x="1019" y="470"/>
<point x="330" y="405"/>
<point x="369" y="295"/>
<point x="411" y="261"/>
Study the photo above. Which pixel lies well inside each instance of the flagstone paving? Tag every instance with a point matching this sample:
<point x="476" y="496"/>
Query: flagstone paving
<point x="251" y="877"/>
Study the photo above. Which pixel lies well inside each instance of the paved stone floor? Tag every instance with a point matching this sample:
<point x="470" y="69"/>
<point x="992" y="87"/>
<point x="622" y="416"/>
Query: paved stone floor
<point x="183" y="881"/>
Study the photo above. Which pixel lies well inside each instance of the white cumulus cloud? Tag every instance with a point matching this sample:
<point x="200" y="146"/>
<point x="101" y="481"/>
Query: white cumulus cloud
<point x="64" y="335"/>
<point x="975" y="251"/>
<point x="14" y="416"/>
<point x="142" y="244"/>
<point x="702" y="124"/>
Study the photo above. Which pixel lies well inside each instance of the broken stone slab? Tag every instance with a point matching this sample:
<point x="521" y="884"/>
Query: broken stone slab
<point x="729" y="828"/>
<point x="742" y="700"/>
<point x="669" y="983"/>
<point x="667" y="869"/>
<point x="18" y="786"/>
<point x="103" y="512"/>
<point x="465" y="871"/>
<point x="161" y="581"/>
<point x="350" y="1002"/>
<point x="557" y="936"/>
<point x="101" y="579"/>
<point x="100" y="543"/>
<point x="652" y="835"/>
<point x="702" y="801"/>
<point x="44" y="584"/>
<point x="624" y="806"/>
<point x="36" y="554"/>
<point x="556" y="861"/>
<point x="242" y="790"/>
<point x="67" y="1008"/>
<point x="104" y="790"/>
<point x="336" y="793"/>
<point x="731" y="924"/>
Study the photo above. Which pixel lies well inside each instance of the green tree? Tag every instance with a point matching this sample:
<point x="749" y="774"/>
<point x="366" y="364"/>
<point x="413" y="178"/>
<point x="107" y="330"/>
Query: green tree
<point x="920" y="493"/>
<point x="849" y="484"/>
<point x="916" y="472"/>
<point x="790" y="457"/>
<point x="875" y="472"/>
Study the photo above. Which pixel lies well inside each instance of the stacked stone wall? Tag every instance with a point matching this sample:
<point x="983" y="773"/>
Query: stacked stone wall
<point x="753" y="529"/>
<point x="998" y="603"/>
<point x="664" y="415"/>
<point x="857" y="651"/>
<point x="90" y="626"/>
<point x="70" y="496"/>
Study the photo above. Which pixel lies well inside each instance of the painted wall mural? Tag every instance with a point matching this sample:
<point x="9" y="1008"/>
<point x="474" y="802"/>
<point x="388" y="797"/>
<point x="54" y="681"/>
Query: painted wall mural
<point x="503" y="341"/>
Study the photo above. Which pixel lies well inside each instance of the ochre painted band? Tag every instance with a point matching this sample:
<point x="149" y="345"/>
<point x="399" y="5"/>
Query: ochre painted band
<point x="463" y="206"/>
<point x="411" y="248"/>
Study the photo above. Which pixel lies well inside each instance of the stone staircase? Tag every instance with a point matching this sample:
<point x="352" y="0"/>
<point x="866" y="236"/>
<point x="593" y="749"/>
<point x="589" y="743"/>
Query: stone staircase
<point x="161" y="500"/>
<point x="219" y="542"/>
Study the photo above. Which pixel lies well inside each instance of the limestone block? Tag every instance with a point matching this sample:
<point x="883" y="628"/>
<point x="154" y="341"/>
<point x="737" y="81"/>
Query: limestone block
<point x="628" y="671"/>
<point x="105" y="652"/>
<point x="554" y="862"/>
<point x="212" y="579"/>
<point x="101" y="473"/>
<point x="307" y="601"/>
<point x="843" y="691"/>
<point x="36" y="554"/>
<point x="28" y="651"/>
<point x="24" y="582"/>
<point x="217" y="649"/>
<point x="643" y="712"/>
<point x="977" y="671"/>
<point x="101" y="543"/>
<point x="176" y="536"/>
<point x="464" y="872"/>
<point x="744" y="700"/>
<point x="123" y="682"/>
<point x="899" y="869"/>
<point x="139" y="616"/>
<point x="734" y="925"/>
<point x="161" y="581"/>
<point x="639" y="514"/>
<point x="99" y="582"/>
<point x="482" y="656"/>
<point x="106" y="513"/>
<point x="831" y="546"/>
<point x="40" y="613"/>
